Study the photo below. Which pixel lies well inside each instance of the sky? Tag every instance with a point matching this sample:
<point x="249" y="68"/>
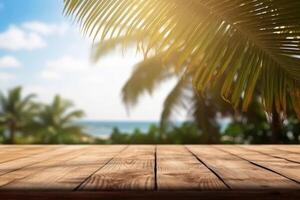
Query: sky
<point x="45" y="53"/>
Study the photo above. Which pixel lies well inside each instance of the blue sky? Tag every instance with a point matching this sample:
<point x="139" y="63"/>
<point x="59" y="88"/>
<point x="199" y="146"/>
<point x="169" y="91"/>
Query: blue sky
<point x="46" y="54"/>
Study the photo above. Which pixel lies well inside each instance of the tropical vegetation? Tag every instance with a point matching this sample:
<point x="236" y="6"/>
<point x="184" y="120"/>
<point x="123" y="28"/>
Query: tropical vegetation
<point x="256" y="131"/>
<point x="15" y="112"/>
<point x="56" y="123"/>
<point x="26" y="121"/>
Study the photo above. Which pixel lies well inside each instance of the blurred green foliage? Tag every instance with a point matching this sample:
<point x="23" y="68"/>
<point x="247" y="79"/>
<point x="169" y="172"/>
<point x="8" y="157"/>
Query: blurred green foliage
<point x="237" y="132"/>
<point x="26" y="121"/>
<point x="186" y="133"/>
<point x="23" y="120"/>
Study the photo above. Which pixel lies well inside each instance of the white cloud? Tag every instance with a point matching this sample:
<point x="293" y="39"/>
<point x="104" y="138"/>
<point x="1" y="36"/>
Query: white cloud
<point x="9" y="62"/>
<point x="15" y="38"/>
<point x="49" y="75"/>
<point x="45" y="29"/>
<point x="65" y="66"/>
<point x="30" y="35"/>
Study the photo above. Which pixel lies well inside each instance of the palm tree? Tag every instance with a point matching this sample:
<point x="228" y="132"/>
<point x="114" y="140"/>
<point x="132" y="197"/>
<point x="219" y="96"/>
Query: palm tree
<point x="15" y="111"/>
<point x="202" y="109"/>
<point x="152" y="72"/>
<point x="55" y="122"/>
<point x="253" y="45"/>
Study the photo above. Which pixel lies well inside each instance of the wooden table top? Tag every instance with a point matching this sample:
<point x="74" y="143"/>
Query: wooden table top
<point x="141" y="171"/>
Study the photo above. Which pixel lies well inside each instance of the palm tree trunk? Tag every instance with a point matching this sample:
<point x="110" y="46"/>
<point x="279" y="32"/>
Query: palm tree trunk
<point x="206" y="123"/>
<point x="12" y="131"/>
<point x="276" y="127"/>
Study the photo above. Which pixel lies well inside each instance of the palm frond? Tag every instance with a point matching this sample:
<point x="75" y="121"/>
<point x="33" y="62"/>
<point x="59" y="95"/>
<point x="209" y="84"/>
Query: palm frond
<point x="70" y="116"/>
<point x="26" y="102"/>
<point x="175" y="101"/>
<point x="256" y="43"/>
<point x="60" y="105"/>
<point x="147" y="75"/>
<point x="101" y="49"/>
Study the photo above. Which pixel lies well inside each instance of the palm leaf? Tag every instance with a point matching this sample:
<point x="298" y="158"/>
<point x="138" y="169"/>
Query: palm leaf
<point x="147" y="75"/>
<point x="70" y="116"/>
<point x="175" y="101"/>
<point x="101" y="49"/>
<point x="256" y="43"/>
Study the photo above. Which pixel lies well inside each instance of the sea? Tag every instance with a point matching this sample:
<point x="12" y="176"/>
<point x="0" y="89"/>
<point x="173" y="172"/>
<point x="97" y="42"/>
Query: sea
<point x="103" y="129"/>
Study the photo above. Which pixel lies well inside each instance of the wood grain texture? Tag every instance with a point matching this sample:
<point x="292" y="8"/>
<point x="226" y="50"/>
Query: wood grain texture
<point x="272" y="151"/>
<point x="15" y="169"/>
<point x="113" y="170"/>
<point x="132" y="169"/>
<point x="288" y="148"/>
<point x="239" y="173"/>
<point x="13" y="152"/>
<point x="288" y="169"/>
<point x="178" y="169"/>
<point x="63" y="172"/>
<point x="295" y="148"/>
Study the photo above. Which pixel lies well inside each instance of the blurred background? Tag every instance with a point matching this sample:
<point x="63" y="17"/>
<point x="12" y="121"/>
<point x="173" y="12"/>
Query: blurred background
<point x="53" y="93"/>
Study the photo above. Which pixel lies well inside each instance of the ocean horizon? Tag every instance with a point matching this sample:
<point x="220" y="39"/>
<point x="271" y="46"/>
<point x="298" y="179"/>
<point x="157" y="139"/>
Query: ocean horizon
<point x="103" y="128"/>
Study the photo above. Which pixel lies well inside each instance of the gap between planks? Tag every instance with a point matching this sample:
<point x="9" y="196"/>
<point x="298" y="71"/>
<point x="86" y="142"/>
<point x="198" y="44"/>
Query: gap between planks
<point x="63" y="172"/>
<point x="87" y="178"/>
<point x="280" y="166"/>
<point x="162" y="167"/>
<point x="211" y="169"/>
<point x="238" y="172"/>
<point x="273" y="152"/>
<point x="131" y="169"/>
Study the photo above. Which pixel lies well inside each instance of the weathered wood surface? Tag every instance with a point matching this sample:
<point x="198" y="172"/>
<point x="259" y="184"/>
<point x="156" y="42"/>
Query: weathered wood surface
<point x="150" y="171"/>
<point x="131" y="169"/>
<point x="177" y="169"/>
<point x="238" y="173"/>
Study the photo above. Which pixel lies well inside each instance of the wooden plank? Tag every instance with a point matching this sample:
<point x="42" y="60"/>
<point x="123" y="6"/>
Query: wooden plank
<point x="43" y="161"/>
<point x="14" y="165"/>
<point x="61" y="173"/>
<point x="239" y="173"/>
<point x="281" y="166"/>
<point x="10" y="153"/>
<point x="94" y="167"/>
<point x="288" y="148"/>
<point x="178" y="169"/>
<point x="277" y="153"/>
<point x="132" y="169"/>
